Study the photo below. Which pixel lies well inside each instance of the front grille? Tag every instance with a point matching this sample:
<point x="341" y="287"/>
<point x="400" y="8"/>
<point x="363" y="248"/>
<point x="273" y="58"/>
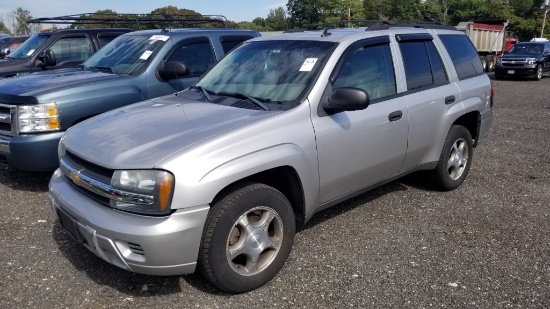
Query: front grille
<point x="90" y="167"/>
<point x="6" y="119"/>
<point x="91" y="170"/>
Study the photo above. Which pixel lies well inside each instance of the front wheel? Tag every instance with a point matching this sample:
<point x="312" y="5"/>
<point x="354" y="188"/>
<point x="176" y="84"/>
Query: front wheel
<point x="455" y="160"/>
<point x="538" y="75"/>
<point x="247" y="238"/>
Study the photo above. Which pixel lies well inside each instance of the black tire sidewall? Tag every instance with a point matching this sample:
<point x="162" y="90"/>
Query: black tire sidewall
<point x="233" y="206"/>
<point x="443" y="179"/>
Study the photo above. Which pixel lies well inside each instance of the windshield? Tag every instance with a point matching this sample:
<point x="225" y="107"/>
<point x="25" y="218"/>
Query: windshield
<point x="270" y="71"/>
<point x="28" y="48"/>
<point x="4" y="40"/>
<point x="527" y="49"/>
<point x="127" y="54"/>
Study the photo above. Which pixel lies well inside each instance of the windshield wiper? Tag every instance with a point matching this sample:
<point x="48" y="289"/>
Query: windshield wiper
<point x="245" y="96"/>
<point x="82" y="66"/>
<point x="103" y="69"/>
<point x="204" y="93"/>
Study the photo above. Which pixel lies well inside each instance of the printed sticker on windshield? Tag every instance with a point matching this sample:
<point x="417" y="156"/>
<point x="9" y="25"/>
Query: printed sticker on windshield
<point x="308" y="64"/>
<point x="30" y="52"/>
<point x="159" y="37"/>
<point x="145" y="55"/>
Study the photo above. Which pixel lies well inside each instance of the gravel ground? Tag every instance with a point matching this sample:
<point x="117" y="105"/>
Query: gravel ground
<point x="484" y="245"/>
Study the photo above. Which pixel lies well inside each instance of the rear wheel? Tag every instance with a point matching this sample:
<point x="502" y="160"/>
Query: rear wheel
<point x="483" y="62"/>
<point x="455" y="160"/>
<point x="247" y="238"/>
<point x="490" y="63"/>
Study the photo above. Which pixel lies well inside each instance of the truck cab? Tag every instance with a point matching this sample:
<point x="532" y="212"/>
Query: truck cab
<point x="56" y="50"/>
<point x="37" y="109"/>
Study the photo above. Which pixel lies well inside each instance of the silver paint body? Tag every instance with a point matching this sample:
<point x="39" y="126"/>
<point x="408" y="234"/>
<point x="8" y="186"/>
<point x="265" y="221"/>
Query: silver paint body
<point x="208" y="147"/>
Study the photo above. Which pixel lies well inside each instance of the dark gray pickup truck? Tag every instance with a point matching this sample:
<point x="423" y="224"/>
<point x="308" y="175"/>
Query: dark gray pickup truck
<point x="36" y="109"/>
<point x="63" y="48"/>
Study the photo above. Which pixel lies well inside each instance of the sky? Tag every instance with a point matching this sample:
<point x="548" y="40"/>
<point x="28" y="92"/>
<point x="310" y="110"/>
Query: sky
<point x="234" y="10"/>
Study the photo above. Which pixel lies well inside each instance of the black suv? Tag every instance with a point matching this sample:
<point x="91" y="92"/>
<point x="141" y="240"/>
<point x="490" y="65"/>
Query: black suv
<point x="525" y="59"/>
<point x="56" y="50"/>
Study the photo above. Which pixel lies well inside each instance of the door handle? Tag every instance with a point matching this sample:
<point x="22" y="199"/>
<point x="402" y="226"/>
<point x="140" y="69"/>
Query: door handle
<point x="395" y="116"/>
<point x="450" y="100"/>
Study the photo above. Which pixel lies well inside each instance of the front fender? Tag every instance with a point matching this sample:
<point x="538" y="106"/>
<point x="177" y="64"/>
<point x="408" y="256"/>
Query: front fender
<point x="239" y="168"/>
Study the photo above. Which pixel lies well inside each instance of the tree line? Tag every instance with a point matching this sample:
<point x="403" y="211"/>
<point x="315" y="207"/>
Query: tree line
<point x="525" y="16"/>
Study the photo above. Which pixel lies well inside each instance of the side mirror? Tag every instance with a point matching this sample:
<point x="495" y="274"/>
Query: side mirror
<point x="47" y="59"/>
<point x="173" y="70"/>
<point x="346" y="99"/>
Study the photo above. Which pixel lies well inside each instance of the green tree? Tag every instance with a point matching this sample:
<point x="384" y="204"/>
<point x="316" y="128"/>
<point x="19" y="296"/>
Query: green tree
<point x="276" y="19"/>
<point x="19" y="24"/>
<point x="305" y="12"/>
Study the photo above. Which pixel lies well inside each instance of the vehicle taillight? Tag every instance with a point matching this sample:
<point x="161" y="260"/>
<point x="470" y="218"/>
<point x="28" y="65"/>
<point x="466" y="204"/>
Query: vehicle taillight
<point x="491" y="98"/>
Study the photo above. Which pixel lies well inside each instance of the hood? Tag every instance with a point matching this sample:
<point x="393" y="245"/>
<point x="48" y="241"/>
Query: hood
<point x="141" y="135"/>
<point x="35" y="84"/>
<point x="520" y="56"/>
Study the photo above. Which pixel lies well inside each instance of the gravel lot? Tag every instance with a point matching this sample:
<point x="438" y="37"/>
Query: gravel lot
<point x="484" y="245"/>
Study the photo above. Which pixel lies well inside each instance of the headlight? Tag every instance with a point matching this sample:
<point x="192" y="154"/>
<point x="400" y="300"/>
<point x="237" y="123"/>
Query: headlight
<point x="145" y="191"/>
<point x="38" y="118"/>
<point x="499" y="60"/>
<point x="531" y="60"/>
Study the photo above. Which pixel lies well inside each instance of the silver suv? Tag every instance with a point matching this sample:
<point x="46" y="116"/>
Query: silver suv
<point x="222" y="174"/>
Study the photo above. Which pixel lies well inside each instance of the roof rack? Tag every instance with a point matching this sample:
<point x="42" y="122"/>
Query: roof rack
<point x="336" y="24"/>
<point x="140" y="19"/>
<point x="373" y="25"/>
<point x="387" y="24"/>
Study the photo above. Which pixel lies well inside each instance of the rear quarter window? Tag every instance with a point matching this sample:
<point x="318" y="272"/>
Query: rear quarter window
<point x="463" y="55"/>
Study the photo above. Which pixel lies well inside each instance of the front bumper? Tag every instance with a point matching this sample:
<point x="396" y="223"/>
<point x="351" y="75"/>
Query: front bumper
<point x="525" y="71"/>
<point x="161" y="246"/>
<point x="30" y="152"/>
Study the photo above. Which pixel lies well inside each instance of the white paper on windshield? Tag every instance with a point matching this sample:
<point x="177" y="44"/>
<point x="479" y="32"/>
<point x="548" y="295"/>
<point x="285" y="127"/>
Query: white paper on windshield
<point x="145" y="55"/>
<point x="308" y="64"/>
<point x="30" y="52"/>
<point x="159" y="37"/>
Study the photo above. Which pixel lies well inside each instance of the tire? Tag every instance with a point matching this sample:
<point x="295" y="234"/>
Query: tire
<point x="490" y="63"/>
<point x="538" y="75"/>
<point x="455" y="160"/>
<point x="238" y="259"/>
<point x="483" y="62"/>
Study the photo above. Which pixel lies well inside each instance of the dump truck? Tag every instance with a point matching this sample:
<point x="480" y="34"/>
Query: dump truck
<point x="490" y="39"/>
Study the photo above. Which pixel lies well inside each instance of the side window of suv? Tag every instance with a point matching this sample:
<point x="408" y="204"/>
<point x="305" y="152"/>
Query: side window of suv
<point x="423" y="65"/>
<point x="71" y="49"/>
<point x="231" y="41"/>
<point x="369" y="68"/>
<point x="196" y="53"/>
<point x="463" y="54"/>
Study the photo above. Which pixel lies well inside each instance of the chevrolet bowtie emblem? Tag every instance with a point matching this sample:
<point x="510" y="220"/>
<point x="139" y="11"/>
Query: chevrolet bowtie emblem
<point x="512" y="62"/>
<point x="75" y="177"/>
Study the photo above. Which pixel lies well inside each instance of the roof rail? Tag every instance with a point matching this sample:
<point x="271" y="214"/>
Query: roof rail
<point x="139" y="19"/>
<point x="420" y="24"/>
<point x="336" y="24"/>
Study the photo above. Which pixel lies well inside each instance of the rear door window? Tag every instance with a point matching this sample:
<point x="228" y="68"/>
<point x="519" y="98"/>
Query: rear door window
<point x="463" y="54"/>
<point x="423" y="65"/>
